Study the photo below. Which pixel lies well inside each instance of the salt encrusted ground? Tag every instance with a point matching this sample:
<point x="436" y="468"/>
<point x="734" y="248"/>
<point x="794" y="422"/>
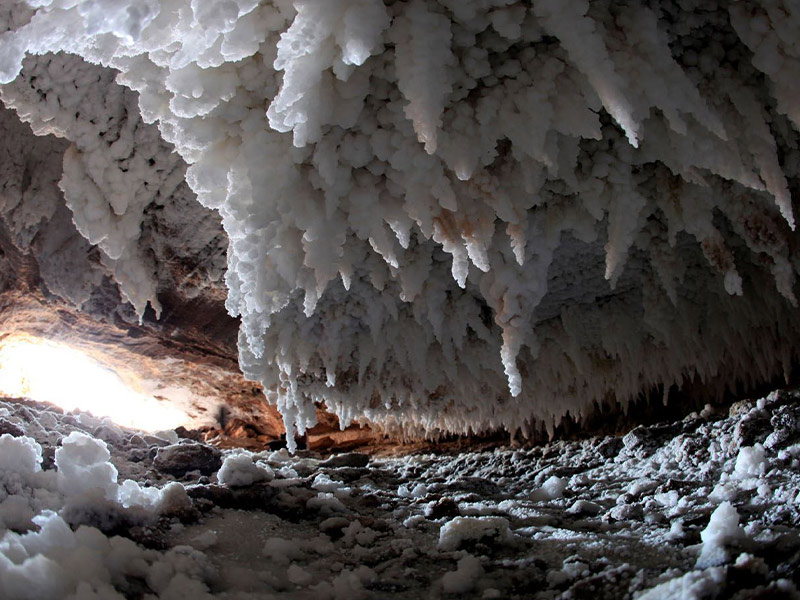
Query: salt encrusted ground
<point x="650" y="515"/>
<point x="485" y="213"/>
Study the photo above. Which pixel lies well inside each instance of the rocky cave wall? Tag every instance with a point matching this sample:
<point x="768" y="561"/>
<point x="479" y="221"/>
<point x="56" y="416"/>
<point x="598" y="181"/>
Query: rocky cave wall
<point x="434" y="215"/>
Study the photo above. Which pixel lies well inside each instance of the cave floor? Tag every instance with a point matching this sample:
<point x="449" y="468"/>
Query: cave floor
<point x="706" y="507"/>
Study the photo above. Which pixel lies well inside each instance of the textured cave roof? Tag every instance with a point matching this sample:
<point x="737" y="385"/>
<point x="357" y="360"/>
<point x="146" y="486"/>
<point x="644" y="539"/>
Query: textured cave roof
<point x="384" y="250"/>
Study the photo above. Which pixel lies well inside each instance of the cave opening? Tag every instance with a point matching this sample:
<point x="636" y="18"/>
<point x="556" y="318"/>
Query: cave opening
<point x="56" y="373"/>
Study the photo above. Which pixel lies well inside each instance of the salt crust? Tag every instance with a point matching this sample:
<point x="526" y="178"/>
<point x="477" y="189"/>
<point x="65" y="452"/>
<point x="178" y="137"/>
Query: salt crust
<point x="397" y="183"/>
<point x="477" y="530"/>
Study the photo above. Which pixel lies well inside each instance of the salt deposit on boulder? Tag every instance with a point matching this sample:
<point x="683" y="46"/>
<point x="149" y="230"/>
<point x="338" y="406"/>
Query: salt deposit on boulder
<point x="443" y="214"/>
<point x="723" y="528"/>
<point x="84" y="467"/>
<point x="240" y="470"/>
<point x="460" y="530"/>
<point x="552" y="488"/>
<point x="750" y="462"/>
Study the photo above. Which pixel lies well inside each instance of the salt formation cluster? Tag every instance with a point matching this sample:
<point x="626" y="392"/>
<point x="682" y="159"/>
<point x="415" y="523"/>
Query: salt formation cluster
<point x="450" y="214"/>
<point x="53" y="560"/>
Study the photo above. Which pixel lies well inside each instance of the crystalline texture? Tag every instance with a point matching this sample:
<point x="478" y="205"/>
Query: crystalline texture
<point x="454" y="215"/>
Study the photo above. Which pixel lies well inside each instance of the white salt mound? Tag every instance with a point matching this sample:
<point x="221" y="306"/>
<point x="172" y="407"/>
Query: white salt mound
<point x="551" y="489"/>
<point x="750" y="462"/>
<point x="240" y="470"/>
<point x="722" y="529"/>
<point x="455" y="533"/>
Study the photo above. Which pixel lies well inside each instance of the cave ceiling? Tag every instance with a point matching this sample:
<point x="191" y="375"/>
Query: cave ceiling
<point x="435" y="216"/>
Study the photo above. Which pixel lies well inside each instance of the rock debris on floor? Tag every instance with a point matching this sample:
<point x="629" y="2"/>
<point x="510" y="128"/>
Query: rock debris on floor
<point x="707" y="507"/>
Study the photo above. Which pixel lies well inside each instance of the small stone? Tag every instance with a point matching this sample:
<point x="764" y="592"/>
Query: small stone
<point x="786" y="424"/>
<point x="48" y="458"/>
<point x="786" y="417"/>
<point x="254" y="497"/>
<point x="108" y="434"/>
<point x="609" y="447"/>
<point x="153" y="440"/>
<point x="10" y="428"/>
<point x="654" y="517"/>
<point x="636" y="437"/>
<point x="752" y="429"/>
<point x="442" y="508"/>
<point x="189" y="434"/>
<point x="584" y="507"/>
<point x="350" y="459"/>
<point x="741" y="407"/>
<point x="350" y="474"/>
<point x="137" y="441"/>
<point x="179" y="459"/>
<point x="625" y="512"/>
<point x="138" y="454"/>
<point x="778" y="439"/>
<point x="333" y="525"/>
<point x="381" y="525"/>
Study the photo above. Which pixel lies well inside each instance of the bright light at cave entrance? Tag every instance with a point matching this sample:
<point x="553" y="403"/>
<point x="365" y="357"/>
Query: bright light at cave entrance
<point x="55" y="373"/>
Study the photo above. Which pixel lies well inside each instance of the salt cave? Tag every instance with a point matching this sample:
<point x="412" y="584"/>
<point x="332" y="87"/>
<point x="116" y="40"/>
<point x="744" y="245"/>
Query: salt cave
<point x="367" y="222"/>
<point x="432" y="216"/>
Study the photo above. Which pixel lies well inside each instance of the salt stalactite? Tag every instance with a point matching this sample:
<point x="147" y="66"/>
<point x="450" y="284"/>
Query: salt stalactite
<point x="455" y="215"/>
<point x="112" y="171"/>
<point x="34" y="215"/>
<point x="120" y="185"/>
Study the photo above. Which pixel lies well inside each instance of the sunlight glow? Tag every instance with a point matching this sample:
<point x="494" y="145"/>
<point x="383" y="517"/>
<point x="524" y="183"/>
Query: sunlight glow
<point x="59" y="374"/>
